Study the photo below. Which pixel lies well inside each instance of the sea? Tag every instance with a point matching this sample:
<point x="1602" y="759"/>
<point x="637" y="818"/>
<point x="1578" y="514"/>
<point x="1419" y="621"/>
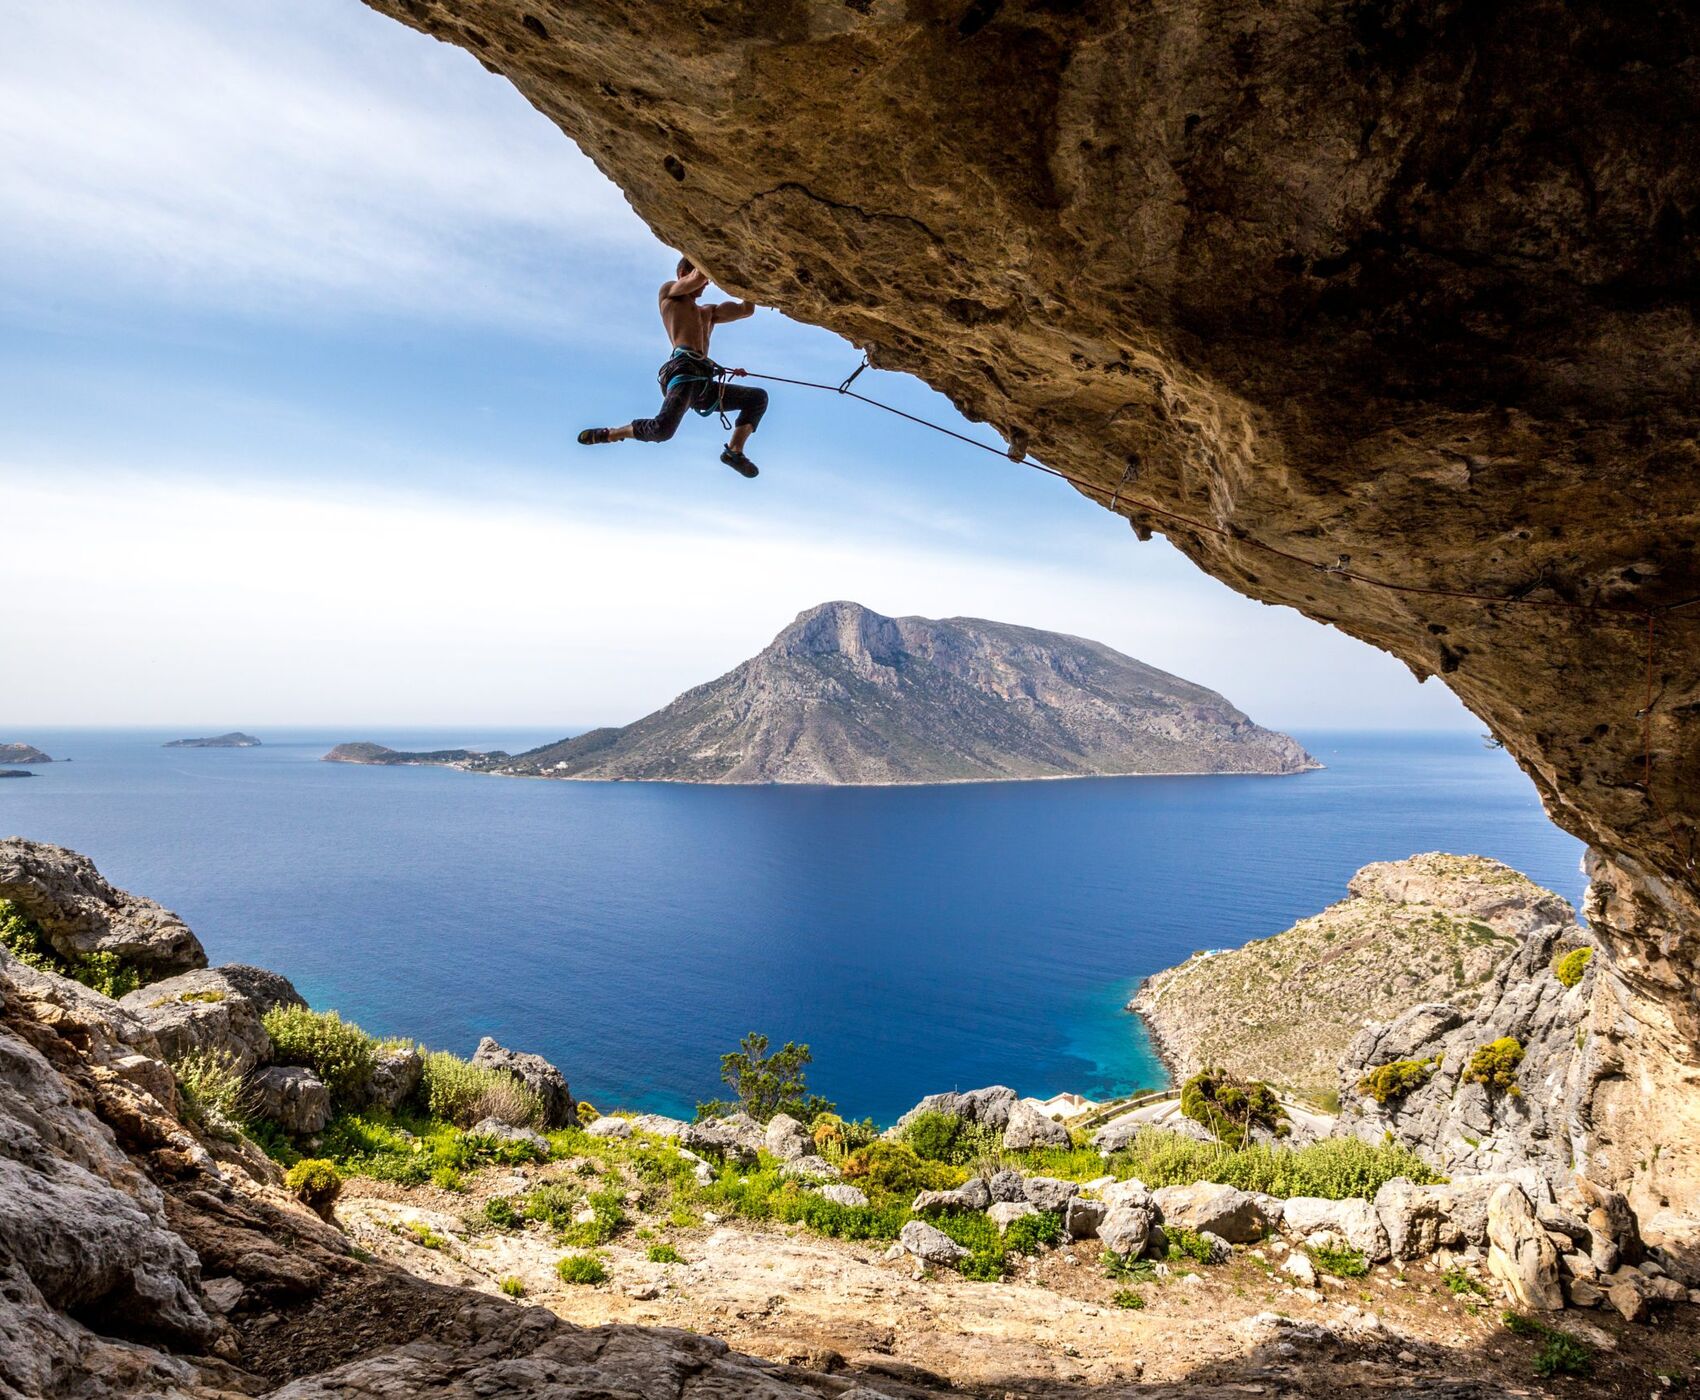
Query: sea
<point x="916" y="938"/>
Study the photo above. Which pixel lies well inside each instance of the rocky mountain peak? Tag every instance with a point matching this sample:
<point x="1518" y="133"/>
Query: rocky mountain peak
<point x="845" y="628"/>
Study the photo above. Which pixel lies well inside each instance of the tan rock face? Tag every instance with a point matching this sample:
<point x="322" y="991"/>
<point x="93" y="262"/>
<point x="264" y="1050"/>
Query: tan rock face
<point x="1404" y="289"/>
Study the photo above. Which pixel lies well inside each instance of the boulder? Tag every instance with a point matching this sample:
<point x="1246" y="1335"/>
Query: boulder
<point x="842" y="1195"/>
<point x="1132" y="1192"/>
<point x="1000" y="1213"/>
<point x="810" y="1168"/>
<point x="973" y="1194"/>
<point x="1048" y="1192"/>
<point x="1082" y="1218"/>
<point x="209" y="1012"/>
<point x="989" y="1106"/>
<point x="1233" y="1214"/>
<point x="1581" y="1293"/>
<point x="1519" y="1253"/>
<point x="1421" y="1219"/>
<point x="659" y="1125"/>
<point x="1353" y="1220"/>
<point x="1026" y="1127"/>
<point x="294" y="1098"/>
<point x="538" y="1075"/>
<point x="1118" y="1133"/>
<point x="1126" y="1230"/>
<point x="1612" y="1231"/>
<point x="609" y="1126"/>
<point x="507" y="1132"/>
<point x="787" y="1139"/>
<point x="1298" y="1265"/>
<point x="1006" y="1186"/>
<point x="1220" y="1250"/>
<point x="716" y="1137"/>
<point x="396" y="1072"/>
<point x="80" y="913"/>
<point x="930" y="1244"/>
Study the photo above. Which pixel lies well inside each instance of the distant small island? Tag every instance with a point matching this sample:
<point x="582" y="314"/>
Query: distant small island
<point x="377" y="754"/>
<point x="22" y="753"/>
<point x="16" y="773"/>
<point x="233" y="740"/>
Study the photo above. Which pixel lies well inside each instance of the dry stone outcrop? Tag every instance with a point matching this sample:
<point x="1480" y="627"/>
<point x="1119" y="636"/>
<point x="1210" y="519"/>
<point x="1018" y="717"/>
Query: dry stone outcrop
<point x="80" y="913"/>
<point x="537" y="1074"/>
<point x="213" y="1011"/>
<point x="1384" y="313"/>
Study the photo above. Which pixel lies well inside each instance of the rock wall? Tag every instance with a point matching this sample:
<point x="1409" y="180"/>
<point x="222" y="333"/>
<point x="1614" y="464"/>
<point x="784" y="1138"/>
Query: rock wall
<point x="1323" y="292"/>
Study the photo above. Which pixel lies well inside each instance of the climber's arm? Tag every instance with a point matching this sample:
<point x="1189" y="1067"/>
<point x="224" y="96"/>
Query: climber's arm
<point x="732" y="311"/>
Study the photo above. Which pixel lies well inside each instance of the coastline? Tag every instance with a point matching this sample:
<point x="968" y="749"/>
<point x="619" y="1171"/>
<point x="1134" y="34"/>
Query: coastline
<point x="1165" y="1052"/>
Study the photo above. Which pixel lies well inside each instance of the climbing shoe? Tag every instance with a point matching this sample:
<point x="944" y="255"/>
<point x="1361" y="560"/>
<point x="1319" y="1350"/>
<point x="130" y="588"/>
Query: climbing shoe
<point x="591" y="435"/>
<point x="738" y="462"/>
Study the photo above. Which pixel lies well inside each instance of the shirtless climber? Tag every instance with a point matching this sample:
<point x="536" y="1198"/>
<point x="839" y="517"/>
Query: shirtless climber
<point x="689" y="379"/>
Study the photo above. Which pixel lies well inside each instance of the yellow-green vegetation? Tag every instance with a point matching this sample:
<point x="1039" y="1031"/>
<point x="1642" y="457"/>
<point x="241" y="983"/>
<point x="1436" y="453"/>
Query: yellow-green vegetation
<point x="513" y="1285"/>
<point x="943" y="1137"/>
<point x="1188" y="1244"/>
<point x="214" y="1095"/>
<point x="210" y="995"/>
<point x="423" y="1234"/>
<point x="1557" y="1353"/>
<point x="1461" y="1283"/>
<point x="462" y="1093"/>
<point x="664" y="1254"/>
<point x="582" y="1268"/>
<point x="1128" y="1298"/>
<point x="315" y="1181"/>
<point x="1284" y="1009"/>
<point x="1494" y="1066"/>
<point x="1342" y="1263"/>
<point x="22" y="937"/>
<point x="407" y="1147"/>
<point x="1335" y="1168"/>
<point x="448" y="1179"/>
<point x="338" y="1051"/>
<point x="1394" y="1080"/>
<point x="499" y="1213"/>
<point x="1232" y="1107"/>
<point x="1569" y="967"/>
<point x="1121" y="1268"/>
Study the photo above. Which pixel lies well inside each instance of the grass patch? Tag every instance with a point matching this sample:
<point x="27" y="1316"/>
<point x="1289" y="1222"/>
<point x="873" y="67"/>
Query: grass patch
<point x="1188" y="1244"/>
<point x="423" y="1234"/>
<point x="407" y="1149"/>
<point x="1461" y="1283"/>
<point x="608" y="1206"/>
<point x="1128" y="1298"/>
<point x="1335" y="1169"/>
<point x="338" y="1051"/>
<point x="1342" y="1263"/>
<point x="664" y="1254"/>
<point x="582" y="1268"/>
<point x="213" y="1093"/>
<point x="513" y="1285"/>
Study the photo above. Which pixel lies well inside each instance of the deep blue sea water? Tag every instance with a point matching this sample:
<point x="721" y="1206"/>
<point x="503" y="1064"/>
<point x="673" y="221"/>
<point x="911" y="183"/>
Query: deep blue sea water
<point x="918" y="938"/>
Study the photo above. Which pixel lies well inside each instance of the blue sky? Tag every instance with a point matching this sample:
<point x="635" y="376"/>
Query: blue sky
<point x="299" y="314"/>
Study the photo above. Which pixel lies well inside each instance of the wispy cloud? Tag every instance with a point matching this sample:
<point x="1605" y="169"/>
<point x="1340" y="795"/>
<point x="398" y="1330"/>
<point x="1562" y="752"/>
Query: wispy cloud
<point x="287" y="157"/>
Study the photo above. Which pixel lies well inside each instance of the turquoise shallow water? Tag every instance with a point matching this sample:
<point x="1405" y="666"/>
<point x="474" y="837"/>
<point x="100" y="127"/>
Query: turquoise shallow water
<point x="919" y="938"/>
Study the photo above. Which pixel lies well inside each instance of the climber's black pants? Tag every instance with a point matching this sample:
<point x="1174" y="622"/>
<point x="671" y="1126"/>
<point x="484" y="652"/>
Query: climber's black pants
<point x="714" y="395"/>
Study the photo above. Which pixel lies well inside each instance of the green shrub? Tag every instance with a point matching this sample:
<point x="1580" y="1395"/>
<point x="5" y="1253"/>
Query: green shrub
<point x="870" y="1222"/>
<point x="1569" y="967"/>
<point x="1342" y="1263"/>
<point x="448" y="1179"/>
<point x="1117" y="1266"/>
<point x="1231" y="1107"/>
<point x="411" y="1150"/>
<point x="1028" y="1233"/>
<point x="664" y="1254"/>
<point x="213" y="1093"/>
<point x="609" y="1205"/>
<point x="1187" y="1244"/>
<point x="895" y="1169"/>
<point x="22" y="937"/>
<point x="315" y="1181"/>
<point x="499" y="1211"/>
<point x="1127" y="1298"/>
<point x="1559" y="1353"/>
<point x="1495" y="1066"/>
<point x="513" y="1285"/>
<point x="581" y="1268"/>
<point x="979" y="1235"/>
<point x="338" y="1051"/>
<point x="943" y="1137"/>
<point x="1335" y="1168"/>
<point x="463" y="1094"/>
<point x="554" y="1205"/>
<point x="1396" y="1079"/>
<point x="1460" y="1283"/>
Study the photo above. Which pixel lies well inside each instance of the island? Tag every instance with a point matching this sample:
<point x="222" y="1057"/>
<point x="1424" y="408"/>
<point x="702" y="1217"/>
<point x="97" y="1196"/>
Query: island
<point x="233" y="740"/>
<point x="16" y="773"/>
<point x="22" y="753"/>
<point x="846" y="695"/>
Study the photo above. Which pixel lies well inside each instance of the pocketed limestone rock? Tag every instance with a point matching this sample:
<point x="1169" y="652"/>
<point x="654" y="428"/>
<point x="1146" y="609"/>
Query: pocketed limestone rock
<point x="988" y="1107"/>
<point x="294" y="1098"/>
<point x="1519" y="1253"/>
<point x="1006" y="1186"/>
<point x="1126" y="1230"/>
<point x="537" y="1074"/>
<point x="396" y="1072"/>
<point x="659" y="1125"/>
<point x="1082" y="1218"/>
<point x="842" y="1195"/>
<point x="720" y="1138"/>
<point x="973" y="1194"/>
<point x="1353" y="1220"/>
<point x="1049" y="1192"/>
<point x="1026" y="1128"/>
<point x="1233" y="1214"/>
<point x="609" y="1126"/>
<point x="787" y="1139"/>
<point x="930" y="1244"/>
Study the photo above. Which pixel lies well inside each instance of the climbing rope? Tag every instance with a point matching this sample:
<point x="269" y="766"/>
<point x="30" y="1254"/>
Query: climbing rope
<point x="1615" y="614"/>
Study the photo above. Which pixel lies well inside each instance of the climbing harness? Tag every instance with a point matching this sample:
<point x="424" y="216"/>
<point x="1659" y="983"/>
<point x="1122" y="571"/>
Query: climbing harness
<point x="1628" y="615"/>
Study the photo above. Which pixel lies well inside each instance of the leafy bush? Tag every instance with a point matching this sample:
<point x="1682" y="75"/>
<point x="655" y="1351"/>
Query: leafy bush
<point x="664" y="1254"/>
<point x="1119" y="1266"/>
<point x="213" y="1093"/>
<point x="554" y="1204"/>
<point x="315" y="1181"/>
<point x="1027" y="1233"/>
<point x="1127" y="1298"/>
<point x="499" y="1211"/>
<point x="513" y="1285"/>
<point x="448" y="1179"/>
<point x="609" y="1206"/>
<point x="1569" y="967"/>
<point x="943" y="1137"/>
<point x="1460" y="1282"/>
<point x="1342" y="1263"/>
<point x="978" y="1234"/>
<point x="338" y="1051"/>
<point x="824" y="1217"/>
<point x="1335" y="1168"/>
<point x="22" y="937"/>
<point x="1495" y="1066"/>
<point x="581" y="1268"/>
<point x="1396" y="1079"/>
<point x="463" y="1093"/>
<point x="1187" y="1244"/>
<point x="1559" y="1353"/>
<point x="767" y="1084"/>
<point x="895" y="1169"/>
<point x="1231" y="1107"/>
